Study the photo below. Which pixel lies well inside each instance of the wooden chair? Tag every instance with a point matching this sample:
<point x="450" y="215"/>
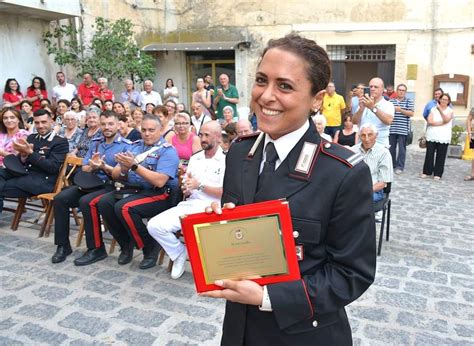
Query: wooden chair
<point x="46" y="198"/>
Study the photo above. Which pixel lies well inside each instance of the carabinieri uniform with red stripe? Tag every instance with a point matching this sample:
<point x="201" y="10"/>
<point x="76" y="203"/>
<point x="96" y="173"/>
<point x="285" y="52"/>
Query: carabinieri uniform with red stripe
<point x="75" y="196"/>
<point x="125" y="216"/>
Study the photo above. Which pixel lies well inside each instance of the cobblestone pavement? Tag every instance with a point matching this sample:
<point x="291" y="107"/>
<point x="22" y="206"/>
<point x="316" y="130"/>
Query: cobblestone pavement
<point x="423" y="292"/>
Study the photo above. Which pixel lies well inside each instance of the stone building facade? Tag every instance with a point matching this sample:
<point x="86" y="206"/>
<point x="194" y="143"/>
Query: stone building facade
<point x="403" y="41"/>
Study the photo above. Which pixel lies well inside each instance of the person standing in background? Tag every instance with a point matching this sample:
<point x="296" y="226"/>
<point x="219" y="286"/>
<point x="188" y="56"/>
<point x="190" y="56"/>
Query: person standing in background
<point x="64" y="90"/>
<point x="333" y="108"/>
<point x="400" y="127"/>
<point x="87" y="90"/>
<point x="227" y="95"/>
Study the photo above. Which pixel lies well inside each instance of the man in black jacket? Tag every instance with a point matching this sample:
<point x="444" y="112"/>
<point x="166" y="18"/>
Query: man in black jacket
<point x="40" y="158"/>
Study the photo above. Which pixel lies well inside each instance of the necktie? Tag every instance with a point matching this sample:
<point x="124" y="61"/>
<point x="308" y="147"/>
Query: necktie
<point x="271" y="156"/>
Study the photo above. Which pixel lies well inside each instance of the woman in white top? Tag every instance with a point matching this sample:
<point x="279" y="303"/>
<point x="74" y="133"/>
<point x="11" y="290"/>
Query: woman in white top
<point x="170" y="92"/>
<point x="438" y="136"/>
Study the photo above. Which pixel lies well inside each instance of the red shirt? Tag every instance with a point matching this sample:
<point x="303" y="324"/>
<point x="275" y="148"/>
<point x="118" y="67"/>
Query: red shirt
<point x="36" y="103"/>
<point x="88" y="93"/>
<point x="106" y="94"/>
<point x="10" y="98"/>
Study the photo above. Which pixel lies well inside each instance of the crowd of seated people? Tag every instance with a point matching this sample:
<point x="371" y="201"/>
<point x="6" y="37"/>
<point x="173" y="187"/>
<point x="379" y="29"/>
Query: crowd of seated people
<point x="141" y="146"/>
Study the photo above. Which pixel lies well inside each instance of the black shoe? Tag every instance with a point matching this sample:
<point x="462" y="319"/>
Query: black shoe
<point x="91" y="256"/>
<point x="126" y="254"/>
<point x="61" y="253"/>
<point x="150" y="256"/>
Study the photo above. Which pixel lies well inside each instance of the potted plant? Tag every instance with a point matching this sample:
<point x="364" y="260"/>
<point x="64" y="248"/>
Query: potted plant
<point x="454" y="148"/>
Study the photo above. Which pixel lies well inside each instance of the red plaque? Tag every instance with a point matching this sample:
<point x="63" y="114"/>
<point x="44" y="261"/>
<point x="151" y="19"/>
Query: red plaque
<point x="253" y="242"/>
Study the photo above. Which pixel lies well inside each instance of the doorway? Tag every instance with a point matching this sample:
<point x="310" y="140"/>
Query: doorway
<point x="213" y="63"/>
<point x="358" y="64"/>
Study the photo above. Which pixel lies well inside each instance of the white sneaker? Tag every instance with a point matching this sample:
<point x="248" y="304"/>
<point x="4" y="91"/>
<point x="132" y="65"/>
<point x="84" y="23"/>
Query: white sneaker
<point x="178" y="266"/>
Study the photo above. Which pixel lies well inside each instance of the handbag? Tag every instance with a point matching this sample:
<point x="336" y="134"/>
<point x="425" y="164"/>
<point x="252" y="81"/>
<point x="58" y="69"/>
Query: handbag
<point x="422" y="142"/>
<point x="410" y="134"/>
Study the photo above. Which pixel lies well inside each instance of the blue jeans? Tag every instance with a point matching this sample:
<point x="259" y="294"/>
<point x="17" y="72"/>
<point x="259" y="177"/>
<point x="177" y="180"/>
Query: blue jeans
<point x="378" y="196"/>
<point x="400" y="141"/>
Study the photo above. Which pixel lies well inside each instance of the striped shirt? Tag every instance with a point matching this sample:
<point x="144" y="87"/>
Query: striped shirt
<point x="401" y="123"/>
<point x="379" y="160"/>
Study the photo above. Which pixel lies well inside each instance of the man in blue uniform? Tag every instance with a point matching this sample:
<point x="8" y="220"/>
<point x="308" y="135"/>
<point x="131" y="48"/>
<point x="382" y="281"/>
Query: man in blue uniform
<point x="99" y="161"/>
<point x="40" y="158"/>
<point x="151" y="167"/>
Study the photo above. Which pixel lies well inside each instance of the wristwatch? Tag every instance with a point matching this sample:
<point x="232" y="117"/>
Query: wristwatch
<point x="134" y="167"/>
<point x="374" y="110"/>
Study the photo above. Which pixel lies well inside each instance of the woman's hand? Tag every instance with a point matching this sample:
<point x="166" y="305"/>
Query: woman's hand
<point x="241" y="291"/>
<point x="216" y="208"/>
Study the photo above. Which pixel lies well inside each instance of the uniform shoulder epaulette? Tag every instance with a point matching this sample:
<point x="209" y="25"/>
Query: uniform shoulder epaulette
<point x="97" y="139"/>
<point x="137" y="141"/>
<point x="341" y="153"/>
<point x="166" y="145"/>
<point x="245" y="137"/>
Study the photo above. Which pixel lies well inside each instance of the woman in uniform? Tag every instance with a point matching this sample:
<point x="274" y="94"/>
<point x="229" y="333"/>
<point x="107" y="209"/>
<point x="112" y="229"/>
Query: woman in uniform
<point x="329" y="191"/>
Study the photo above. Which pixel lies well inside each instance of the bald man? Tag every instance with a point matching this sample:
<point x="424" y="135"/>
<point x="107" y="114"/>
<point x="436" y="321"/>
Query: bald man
<point x="202" y="184"/>
<point x="374" y="109"/>
<point x="243" y="127"/>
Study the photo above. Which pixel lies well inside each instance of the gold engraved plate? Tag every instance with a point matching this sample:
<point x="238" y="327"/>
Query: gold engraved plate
<point x="238" y="249"/>
<point x="305" y="159"/>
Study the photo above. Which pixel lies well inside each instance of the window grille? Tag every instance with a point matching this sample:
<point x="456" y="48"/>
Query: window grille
<point x="362" y="53"/>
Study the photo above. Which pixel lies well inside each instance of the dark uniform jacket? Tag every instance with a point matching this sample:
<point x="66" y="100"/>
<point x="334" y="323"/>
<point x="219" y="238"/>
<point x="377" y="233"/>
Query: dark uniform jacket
<point x="332" y="214"/>
<point x="44" y="163"/>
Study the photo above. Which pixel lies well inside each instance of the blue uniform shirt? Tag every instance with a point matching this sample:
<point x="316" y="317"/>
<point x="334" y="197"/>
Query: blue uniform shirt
<point x="119" y="145"/>
<point x="165" y="160"/>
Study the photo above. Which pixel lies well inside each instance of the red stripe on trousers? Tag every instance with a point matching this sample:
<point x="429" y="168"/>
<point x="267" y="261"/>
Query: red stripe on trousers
<point x="128" y="218"/>
<point x="95" y="220"/>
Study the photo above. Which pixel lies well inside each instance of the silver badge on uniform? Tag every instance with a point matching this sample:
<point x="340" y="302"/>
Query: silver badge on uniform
<point x="305" y="160"/>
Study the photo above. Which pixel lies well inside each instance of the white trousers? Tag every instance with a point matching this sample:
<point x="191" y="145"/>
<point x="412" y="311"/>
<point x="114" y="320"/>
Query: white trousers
<point x="163" y="226"/>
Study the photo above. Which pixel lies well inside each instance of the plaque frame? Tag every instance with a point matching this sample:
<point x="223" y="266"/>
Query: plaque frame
<point x="279" y="208"/>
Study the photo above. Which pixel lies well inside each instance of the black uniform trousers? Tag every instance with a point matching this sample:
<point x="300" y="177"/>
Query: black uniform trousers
<point x="25" y="186"/>
<point x="73" y="197"/>
<point x="124" y="217"/>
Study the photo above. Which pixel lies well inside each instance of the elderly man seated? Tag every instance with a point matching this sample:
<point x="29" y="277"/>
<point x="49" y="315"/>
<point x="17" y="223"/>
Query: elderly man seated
<point x="377" y="157"/>
<point x="201" y="185"/>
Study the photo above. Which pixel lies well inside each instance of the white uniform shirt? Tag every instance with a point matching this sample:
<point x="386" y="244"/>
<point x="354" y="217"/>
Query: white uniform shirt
<point x="209" y="172"/>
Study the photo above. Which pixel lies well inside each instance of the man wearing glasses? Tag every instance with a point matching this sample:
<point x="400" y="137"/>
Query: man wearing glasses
<point x="400" y="127"/>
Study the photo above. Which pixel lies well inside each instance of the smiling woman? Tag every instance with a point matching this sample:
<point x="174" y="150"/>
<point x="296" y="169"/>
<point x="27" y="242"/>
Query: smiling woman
<point x="336" y="243"/>
<point x="11" y="129"/>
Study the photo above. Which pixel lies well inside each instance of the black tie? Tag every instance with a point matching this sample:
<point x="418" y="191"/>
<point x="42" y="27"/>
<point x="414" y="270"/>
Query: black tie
<point x="271" y="156"/>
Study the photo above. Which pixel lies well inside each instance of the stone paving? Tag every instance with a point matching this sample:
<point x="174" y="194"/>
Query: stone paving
<point x="423" y="292"/>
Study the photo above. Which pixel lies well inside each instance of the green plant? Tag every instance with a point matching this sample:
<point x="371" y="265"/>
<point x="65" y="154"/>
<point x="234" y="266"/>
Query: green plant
<point x="456" y="133"/>
<point x="112" y="52"/>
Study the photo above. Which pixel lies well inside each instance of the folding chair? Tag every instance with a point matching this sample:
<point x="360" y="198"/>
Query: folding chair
<point x="385" y="206"/>
<point x="46" y="199"/>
